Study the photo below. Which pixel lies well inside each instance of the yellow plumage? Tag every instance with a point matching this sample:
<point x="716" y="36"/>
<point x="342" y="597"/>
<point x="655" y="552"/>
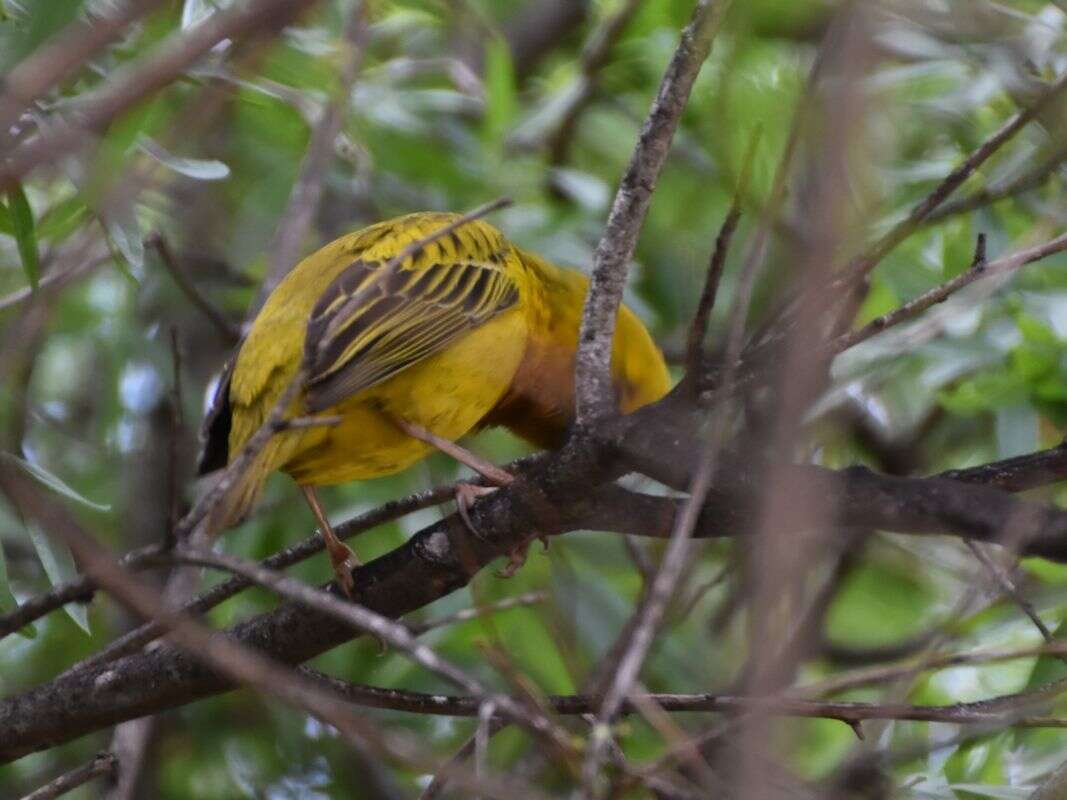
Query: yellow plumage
<point x="469" y="332"/>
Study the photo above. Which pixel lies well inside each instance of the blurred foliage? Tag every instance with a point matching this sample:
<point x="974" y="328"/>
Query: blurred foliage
<point x="441" y="118"/>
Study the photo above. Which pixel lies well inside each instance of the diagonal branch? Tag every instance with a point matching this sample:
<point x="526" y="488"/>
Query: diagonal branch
<point x="593" y="393"/>
<point x="59" y="57"/>
<point x="304" y="198"/>
<point x="147" y="77"/>
<point x="103" y="765"/>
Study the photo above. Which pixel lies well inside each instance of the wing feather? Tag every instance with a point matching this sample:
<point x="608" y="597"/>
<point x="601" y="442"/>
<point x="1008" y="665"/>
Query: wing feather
<point x="368" y="325"/>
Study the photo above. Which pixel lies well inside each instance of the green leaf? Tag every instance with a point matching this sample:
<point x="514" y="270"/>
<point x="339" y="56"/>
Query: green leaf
<point x="201" y="169"/>
<point x="7" y="598"/>
<point x="1048" y="668"/>
<point x="501" y="102"/>
<point x="957" y="247"/>
<point x="54" y="483"/>
<point x="59" y="566"/>
<point x="7" y="227"/>
<point x="62" y="219"/>
<point x="25" y="236"/>
<point x="125" y="242"/>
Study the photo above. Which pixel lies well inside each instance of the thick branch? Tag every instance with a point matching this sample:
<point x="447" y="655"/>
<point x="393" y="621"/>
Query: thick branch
<point x="442" y="557"/>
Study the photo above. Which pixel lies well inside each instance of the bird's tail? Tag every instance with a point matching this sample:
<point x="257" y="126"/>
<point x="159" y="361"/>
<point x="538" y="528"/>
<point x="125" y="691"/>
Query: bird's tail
<point x="237" y="503"/>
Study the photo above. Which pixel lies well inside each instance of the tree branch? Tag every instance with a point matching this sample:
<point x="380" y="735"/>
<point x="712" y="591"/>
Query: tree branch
<point x="103" y="765"/>
<point x="594" y="398"/>
<point x="304" y="197"/>
<point x="148" y="76"/>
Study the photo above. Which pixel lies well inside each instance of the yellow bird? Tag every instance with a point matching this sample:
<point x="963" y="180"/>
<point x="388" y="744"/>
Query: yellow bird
<point x="467" y="331"/>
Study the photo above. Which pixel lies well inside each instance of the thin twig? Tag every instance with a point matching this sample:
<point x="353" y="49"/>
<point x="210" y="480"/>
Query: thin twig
<point x="306" y="192"/>
<point x="218" y="594"/>
<point x="852" y="277"/>
<point x="649" y="616"/>
<point x="520" y="601"/>
<point x="227" y="329"/>
<point x="594" y="57"/>
<point x="873" y="676"/>
<point x="698" y="328"/>
<point x="441" y="777"/>
<point x="980" y="269"/>
<point x="593" y="392"/>
<point x="1015" y="709"/>
<point x="79" y="589"/>
<point x="1008" y="587"/>
<point x="54" y="280"/>
<point x="57" y="58"/>
<point x="394" y="634"/>
<point x="1026" y="182"/>
<point x="103" y="765"/>
<point x="146" y="77"/>
<point x="236" y="661"/>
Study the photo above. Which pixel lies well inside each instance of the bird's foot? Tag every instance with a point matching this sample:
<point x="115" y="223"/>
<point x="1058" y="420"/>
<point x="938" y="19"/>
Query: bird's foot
<point x="467" y="495"/>
<point x="343" y="560"/>
<point x="517" y="556"/>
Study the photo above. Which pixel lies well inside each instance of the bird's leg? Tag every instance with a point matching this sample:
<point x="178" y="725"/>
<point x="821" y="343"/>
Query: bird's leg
<point x="341" y="556"/>
<point x="491" y="472"/>
<point x="468" y="493"/>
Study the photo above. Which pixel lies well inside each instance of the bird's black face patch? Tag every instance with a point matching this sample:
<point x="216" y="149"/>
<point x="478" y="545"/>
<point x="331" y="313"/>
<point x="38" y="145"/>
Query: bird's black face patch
<point x="215" y="432"/>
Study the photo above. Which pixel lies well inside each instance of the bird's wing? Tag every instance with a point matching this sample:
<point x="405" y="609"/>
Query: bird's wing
<point x="375" y="320"/>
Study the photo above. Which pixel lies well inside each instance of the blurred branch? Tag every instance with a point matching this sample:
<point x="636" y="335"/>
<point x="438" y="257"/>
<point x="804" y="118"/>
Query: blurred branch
<point x="397" y="636"/>
<point x="1054" y="787"/>
<point x="54" y="280"/>
<point x="1028" y="181"/>
<point x="435" y="562"/>
<point x="103" y="765"/>
<point x="594" y="57"/>
<point x="221" y="592"/>
<point x="146" y="77"/>
<point x="848" y="283"/>
<point x="59" y="57"/>
<point x="1019" y="709"/>
<point x="74" y="591"/>
<point x="538" y="28"/>
<point x="227" y="330"/>
<point x="306" y="192"/>
<point x="698" y="327"/>
<point x="980" y="268"/>
<point x="593" y="391"/>
<point x="232" y="659"/>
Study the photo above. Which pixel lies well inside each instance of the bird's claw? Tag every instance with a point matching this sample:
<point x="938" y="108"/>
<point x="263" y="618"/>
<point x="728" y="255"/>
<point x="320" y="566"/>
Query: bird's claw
<point x="467" y="495"/>
<point x="344" y="561"/>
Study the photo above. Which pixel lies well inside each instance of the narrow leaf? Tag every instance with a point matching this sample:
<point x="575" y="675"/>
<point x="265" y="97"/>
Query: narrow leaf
<point x="54" y="483"/>
<point x="25" y="236"/>
<point x="7" y="227"/>
<point x="59" y="566"/>
<point x="201" y="169"/>
<point x="7" y="598"/>
<point x="124" y="235"/>
<point x="501" y="104"/>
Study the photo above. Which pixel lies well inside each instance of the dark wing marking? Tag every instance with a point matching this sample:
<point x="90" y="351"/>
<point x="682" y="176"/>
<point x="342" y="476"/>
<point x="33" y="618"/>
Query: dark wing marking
<point x="368" y="326"/>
